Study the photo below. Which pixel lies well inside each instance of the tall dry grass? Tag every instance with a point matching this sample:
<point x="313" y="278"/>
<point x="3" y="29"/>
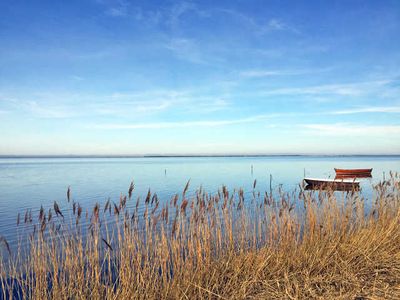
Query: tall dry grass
<point x="298" y="245"/>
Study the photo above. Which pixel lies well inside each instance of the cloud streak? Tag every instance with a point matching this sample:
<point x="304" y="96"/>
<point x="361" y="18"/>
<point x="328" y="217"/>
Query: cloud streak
<point x="370" y="109"/>
<point x="259" y="73"/>
<point x="186" y="49"/>
<point x="117" y="8"/>
<point x="344" y="129"/>
<point x="350" y="89"/>
<point x="51" y="112"/>
<point x="279" y="25"/>
<point x="259" y="28"/>
<point x="183" y="124"/>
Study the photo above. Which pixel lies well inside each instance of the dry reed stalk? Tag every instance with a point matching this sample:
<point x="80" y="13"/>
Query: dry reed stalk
<point x="130" y="190"/>
<point x="299" y="245"/>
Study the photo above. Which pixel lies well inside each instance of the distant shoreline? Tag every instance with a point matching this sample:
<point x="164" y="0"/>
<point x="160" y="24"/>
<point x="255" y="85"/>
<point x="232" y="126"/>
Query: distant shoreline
<point x="197" y="156"/>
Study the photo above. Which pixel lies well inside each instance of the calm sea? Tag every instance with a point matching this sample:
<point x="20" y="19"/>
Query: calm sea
<point x="28" y="183"/>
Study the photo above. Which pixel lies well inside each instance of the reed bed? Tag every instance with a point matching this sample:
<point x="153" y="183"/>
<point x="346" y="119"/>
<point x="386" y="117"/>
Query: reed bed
<point x="228" y="245"/>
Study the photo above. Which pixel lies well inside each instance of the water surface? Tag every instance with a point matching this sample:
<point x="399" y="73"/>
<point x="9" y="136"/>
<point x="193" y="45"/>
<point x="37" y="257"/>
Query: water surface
<point x="28" y="183"/>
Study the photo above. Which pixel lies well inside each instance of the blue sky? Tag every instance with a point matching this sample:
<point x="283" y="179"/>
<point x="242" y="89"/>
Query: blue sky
<point x="205" y="77"/>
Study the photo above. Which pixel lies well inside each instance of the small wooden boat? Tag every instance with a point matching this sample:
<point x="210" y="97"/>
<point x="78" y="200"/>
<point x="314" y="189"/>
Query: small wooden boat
<point x="353" y="172"/>
<point x="366" y="175"/>
<point x="335" y="184"/>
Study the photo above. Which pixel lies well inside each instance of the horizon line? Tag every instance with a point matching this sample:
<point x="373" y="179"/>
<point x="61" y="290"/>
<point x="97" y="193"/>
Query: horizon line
<point x="183" y="155"/>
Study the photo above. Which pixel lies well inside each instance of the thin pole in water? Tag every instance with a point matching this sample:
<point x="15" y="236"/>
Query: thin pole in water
<point x="165" y="172"/>
<point x="252" y="170"/>
<point x="304" y="172"/>
<point x="270" y="183"/>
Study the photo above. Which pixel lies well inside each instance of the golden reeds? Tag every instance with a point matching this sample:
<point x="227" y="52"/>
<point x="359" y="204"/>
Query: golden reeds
<point x="231" y="245"/>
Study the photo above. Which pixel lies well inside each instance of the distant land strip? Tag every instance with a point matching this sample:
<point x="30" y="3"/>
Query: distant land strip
<point x="198" y="155"/>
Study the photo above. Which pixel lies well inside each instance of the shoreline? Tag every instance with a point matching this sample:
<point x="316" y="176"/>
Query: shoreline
<point x="202" y="156"/>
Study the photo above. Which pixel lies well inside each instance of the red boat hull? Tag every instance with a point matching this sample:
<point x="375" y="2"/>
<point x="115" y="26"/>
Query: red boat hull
<point x="353" y="172"/>
<point x="366" y="175"/>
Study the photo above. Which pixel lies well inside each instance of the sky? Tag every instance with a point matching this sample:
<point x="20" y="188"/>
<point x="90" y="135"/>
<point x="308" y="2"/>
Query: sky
<point x="119" y="77"/>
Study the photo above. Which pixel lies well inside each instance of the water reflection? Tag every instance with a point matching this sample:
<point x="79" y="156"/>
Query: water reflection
<point x="334" y="188"/>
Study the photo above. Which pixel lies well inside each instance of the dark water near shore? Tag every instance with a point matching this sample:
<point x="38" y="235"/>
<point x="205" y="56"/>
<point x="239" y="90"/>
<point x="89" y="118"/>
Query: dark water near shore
<point x="28" y="183"/>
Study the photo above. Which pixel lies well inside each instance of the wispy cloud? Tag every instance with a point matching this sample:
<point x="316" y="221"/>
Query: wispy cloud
<point x="186" y="49"/>
<point x="63" y="53"/>
<point x="260" y="27"/>
<point x="147" y="101"/>
<point x="57" y="105"/>
<point x="210" y="105"/>
<point x="345" y="129"/>
<point x="178" y="10"/>
<point x="77" y="78"/>
<point x="127" y="109"/>
<point x="49" y="111"/>
<point x="168" y="15"/>
<point x="118" y="8"/>
<point x="278" y="25"/>
<point x="259" y="73"/>
<point x="116" y="11"/>
<point x="183" y="124"/>
<point x="369" y="109"/>
<point x="154" y="93"/>
<point x="351" y="89"/>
